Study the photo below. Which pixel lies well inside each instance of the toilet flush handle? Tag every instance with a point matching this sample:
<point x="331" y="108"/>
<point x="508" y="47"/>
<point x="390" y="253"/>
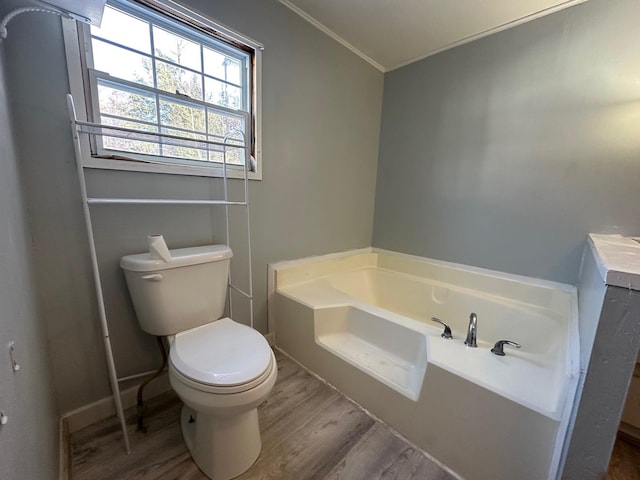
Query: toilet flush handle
<point x="153" y="277"/>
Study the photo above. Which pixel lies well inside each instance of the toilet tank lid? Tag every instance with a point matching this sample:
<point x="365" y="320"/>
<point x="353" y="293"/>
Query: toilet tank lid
<point x="180" y="257"/>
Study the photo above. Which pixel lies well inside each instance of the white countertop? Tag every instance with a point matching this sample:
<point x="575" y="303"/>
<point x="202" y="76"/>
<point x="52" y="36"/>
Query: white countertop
<point x="618" y="259"/>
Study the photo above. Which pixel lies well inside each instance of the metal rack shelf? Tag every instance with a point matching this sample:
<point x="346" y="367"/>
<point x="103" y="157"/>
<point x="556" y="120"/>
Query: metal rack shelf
<point x="157" y="201"/>
<point x="79" y="127"/>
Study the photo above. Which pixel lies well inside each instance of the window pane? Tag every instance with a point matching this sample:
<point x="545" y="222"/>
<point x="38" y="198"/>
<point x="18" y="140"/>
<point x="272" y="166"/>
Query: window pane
<point x="121" y="63"/>
<point x="178" y="80"/>
<point x="126" y="145"/>
<point x="221" y="66"/>
<point x="235" y="156"/>
<point x="220" y="93"/>
<point x="220" y="125"/>
<point x="123" y="29"/>
<point x="126" y="103"/>
<point x="215" y="156"/>
<point x="170" y="46"/>
<point x="184" y="152"/>
<point x="181" y="115"/>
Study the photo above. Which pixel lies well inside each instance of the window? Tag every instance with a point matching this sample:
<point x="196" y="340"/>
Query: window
<point x="167" y="70"/>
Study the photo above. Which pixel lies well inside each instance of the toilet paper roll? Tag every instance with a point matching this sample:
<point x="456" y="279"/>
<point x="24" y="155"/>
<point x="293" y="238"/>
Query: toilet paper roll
<point x="158" y="248"/>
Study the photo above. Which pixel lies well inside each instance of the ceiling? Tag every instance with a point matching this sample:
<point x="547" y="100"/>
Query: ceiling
<point x="392" y="33"/>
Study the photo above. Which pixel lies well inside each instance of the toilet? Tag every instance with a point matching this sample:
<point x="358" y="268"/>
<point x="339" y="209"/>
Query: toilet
<point x="221" y="369"/>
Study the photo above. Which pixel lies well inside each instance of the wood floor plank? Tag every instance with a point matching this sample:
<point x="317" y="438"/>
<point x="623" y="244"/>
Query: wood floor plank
<point x="312" y="451"/>
<point x="181" y="468"/>
<point x="287" y="424"/>
<point x="290" y="393"/>
<point x="381" y="455"/>
<point x="89" y="456"/>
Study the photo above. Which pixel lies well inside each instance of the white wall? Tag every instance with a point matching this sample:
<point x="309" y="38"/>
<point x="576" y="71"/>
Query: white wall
<point x="29" y="440"/>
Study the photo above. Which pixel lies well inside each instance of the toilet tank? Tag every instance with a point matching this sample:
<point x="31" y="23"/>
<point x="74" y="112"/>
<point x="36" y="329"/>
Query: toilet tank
<point x="183" y="293"/>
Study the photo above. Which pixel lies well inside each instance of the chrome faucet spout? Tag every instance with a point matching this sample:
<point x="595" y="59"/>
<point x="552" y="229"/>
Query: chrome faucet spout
<point x="472" y="331"/>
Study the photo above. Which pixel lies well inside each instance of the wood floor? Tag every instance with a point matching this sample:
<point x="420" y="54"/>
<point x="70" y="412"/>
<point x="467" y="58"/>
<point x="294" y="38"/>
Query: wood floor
<point x="625" y="461"/>
<point x="308" y="432"/>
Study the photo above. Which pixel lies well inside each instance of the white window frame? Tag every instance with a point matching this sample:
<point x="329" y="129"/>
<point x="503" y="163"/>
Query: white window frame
<point x="80" y="80"/>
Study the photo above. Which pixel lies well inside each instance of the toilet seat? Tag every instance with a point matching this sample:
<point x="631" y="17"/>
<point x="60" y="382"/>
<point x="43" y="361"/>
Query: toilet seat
<point x="221" y="357"/>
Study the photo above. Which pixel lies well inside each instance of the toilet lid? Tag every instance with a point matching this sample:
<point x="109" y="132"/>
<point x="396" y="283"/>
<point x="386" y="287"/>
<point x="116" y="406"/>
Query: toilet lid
<point x="221" y="353"/>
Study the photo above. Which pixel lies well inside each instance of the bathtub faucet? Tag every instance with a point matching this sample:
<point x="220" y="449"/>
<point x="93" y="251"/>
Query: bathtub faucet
<point x="472" y="332"/>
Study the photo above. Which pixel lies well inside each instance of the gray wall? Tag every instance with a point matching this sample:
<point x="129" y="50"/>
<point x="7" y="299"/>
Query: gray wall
<point x="505" y="152"/>
<point x="321" y="114"/>
<point x="28" y="442"/>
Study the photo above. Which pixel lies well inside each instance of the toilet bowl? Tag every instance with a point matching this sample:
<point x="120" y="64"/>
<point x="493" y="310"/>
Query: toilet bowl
<point x="221" y="369"/>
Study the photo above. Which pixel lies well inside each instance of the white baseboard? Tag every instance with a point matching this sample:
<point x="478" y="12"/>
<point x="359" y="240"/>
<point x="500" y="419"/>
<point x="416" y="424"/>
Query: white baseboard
<point x="105" y="408"/>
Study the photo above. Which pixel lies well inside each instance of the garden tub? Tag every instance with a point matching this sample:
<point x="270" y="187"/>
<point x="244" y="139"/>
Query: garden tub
<point x="362" y="320"/>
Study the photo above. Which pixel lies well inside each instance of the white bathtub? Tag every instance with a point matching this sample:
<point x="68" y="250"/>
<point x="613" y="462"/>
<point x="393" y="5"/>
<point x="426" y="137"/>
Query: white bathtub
<point x="362" y="321"/>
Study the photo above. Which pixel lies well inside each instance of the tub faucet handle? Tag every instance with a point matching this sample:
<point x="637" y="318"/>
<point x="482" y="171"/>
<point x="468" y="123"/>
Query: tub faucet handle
<point x="498" y="348"/>
<point x="447" y="330"/>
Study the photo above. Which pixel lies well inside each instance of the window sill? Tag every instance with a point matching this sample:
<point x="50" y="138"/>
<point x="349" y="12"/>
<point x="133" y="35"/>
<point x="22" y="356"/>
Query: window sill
<point x="192" y="170"/>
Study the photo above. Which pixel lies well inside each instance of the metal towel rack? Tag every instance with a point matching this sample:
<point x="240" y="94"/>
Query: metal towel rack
<point x="79" y="127"/>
